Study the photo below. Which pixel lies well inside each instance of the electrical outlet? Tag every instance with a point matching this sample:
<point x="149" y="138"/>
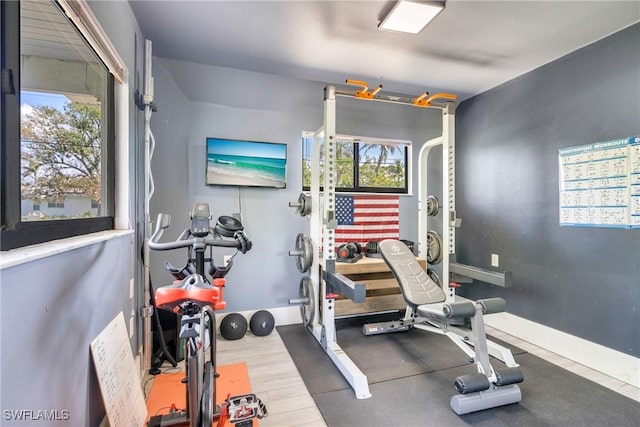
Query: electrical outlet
<point x="495" y="260"/>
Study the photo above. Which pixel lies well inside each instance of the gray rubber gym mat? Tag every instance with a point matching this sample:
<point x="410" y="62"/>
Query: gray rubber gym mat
<point x="551" y="396"/>
<point x="514" y="350"/>
<point x="380" y="357"/>
<point x="419" y="400"/>
<point x="321" y="375"/>
<point x="399" y="354"/>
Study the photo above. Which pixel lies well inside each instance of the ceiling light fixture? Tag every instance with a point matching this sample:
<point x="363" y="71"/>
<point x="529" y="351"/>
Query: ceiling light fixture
<point x="410" y="16"/>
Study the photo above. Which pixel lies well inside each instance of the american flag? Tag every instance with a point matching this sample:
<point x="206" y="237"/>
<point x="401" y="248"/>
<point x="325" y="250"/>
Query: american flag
<point x="362" y="218"/>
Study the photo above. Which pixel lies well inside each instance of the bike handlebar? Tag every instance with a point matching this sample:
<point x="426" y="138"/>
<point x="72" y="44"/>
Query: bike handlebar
<point x="240" y="242"/>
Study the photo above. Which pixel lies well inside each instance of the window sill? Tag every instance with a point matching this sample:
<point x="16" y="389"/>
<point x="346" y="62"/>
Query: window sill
<point x="27" y="254"/>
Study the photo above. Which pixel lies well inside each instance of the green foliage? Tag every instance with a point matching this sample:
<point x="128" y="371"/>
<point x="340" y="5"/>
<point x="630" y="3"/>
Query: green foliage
<point x="374" y="168"/>
<point x="61" y="152"/>
<point x="383" y="176"/>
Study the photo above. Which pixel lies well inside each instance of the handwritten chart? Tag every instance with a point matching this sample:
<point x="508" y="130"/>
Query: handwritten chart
<point x="119" y="381"/>
<point x="600" y="184"/>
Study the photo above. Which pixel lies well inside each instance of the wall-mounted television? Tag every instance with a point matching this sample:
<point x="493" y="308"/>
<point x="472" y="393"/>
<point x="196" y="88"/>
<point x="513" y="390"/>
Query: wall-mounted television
<point x="246" y="163"/>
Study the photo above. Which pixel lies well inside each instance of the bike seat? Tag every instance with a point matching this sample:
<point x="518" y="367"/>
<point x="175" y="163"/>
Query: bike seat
<point x="194" y="289"/>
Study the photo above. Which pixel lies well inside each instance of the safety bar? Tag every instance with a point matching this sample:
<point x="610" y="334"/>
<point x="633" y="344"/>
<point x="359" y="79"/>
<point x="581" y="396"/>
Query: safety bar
<point x="503" y="279"/>
<point x="342" y="285"/>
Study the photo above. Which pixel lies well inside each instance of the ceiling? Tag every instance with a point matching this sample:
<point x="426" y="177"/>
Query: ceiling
<point x="472" y="46"/>
<point x="45" y="32"/>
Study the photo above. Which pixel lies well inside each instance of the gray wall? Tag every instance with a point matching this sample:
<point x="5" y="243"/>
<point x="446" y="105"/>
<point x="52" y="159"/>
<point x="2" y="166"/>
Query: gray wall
<point x="196" y="101"/>
<point x="51" y="309"/>
<point x="583" y="281"/>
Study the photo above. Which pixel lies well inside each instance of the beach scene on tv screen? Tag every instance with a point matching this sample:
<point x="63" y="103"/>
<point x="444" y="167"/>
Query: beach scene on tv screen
<point x="246" y="163"/>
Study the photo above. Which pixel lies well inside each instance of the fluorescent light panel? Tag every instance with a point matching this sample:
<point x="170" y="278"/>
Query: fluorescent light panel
<point x="410" y="17"/>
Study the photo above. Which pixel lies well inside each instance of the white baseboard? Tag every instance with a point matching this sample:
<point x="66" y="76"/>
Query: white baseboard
<point x="595" y="356"/>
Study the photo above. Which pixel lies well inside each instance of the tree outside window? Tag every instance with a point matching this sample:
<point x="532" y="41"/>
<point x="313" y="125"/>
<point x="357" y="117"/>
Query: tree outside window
<point x="61" y="155"/>
<point x="363" y="164"/>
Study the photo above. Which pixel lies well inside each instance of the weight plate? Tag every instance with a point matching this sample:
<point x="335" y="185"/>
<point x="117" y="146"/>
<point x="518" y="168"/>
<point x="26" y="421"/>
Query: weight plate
<point x="303" y="253"/>
<point x="433" y="205"/>
<point x="434" y="247"/>
<point x="304" y="204"/>
<point x="304" y="261"/>
<point x="308" y="306"/>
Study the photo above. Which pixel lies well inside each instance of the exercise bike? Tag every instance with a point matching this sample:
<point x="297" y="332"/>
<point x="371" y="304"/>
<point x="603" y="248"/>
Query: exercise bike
<point x="195" y="295"/>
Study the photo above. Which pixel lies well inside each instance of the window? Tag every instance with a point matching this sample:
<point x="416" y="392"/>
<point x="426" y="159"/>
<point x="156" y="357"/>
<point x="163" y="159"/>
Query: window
<point x="57" y="126"/>
<point x="370" y="165"/>
<point x="55" y="205"/>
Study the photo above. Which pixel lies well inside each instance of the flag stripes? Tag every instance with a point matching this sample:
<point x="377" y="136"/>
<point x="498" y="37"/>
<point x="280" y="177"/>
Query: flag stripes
<point x="363" y="218"/>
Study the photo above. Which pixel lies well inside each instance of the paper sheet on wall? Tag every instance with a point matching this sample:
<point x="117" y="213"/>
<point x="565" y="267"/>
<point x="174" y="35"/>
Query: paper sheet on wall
<point x="117" y="376"/>
<point x="634" y="182"/>
<point x="600" y="184"/>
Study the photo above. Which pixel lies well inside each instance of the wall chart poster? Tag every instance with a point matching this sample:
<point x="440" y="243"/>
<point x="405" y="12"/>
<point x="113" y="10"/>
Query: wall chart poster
<point x="634" y="182"/>
<point x="600" y="184"/>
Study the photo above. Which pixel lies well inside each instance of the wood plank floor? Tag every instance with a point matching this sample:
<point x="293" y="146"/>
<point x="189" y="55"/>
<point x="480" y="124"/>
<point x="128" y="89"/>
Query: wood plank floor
<point x="275" y="379"/>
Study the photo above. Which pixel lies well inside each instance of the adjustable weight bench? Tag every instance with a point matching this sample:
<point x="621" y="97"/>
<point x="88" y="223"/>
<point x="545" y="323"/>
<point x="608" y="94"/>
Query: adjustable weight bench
<point x="462" y="321"/>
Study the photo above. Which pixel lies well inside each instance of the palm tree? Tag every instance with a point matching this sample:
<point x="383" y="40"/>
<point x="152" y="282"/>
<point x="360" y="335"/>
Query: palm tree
<point x="382" y="155"/>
